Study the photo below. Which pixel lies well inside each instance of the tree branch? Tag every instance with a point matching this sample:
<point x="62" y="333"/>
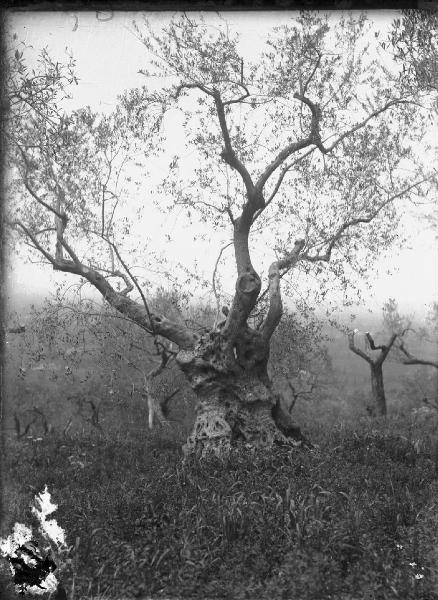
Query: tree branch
<point x="29" y="188"/>
<point x="34" y="241"/>
<point x="284" y="170"/>
<point x="313" y="138"/>
<point x="254" y="202"/>
<point x="228" y="153"/>
<point x="154" y="405"/>
<point x="275" y="303"/>
<point x="384" y="349"/>
<point x="134" y="280"/>
<point x="116" y="273"/>
<point x="375" y="113"/>
<point x="180" y="334"/>
<point x="413" y="360"/>
<point x="35" y="196"/>
<point x="18" y="329"/>
<point x="357" y="221"/>
<point x="174" y="332"/>
<point x="213" y="279"/>
<point x="309" y="79"/>
<point x="191" y="86"/>
<point x="356" y="350"/>
<point x="372" y="344"/>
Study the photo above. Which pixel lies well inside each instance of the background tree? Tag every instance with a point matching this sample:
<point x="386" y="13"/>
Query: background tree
<point x="376" y="367"/>
<point x="416" y="346"/>
<point x="290" y="146"/>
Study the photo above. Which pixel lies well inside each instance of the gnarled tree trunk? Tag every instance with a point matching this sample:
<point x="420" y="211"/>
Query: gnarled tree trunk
<point x="235" y="397"/>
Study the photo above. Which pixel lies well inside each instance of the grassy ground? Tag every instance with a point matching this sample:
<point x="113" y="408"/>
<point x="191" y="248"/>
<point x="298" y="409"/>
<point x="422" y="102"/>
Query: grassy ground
<point x="355" y="519"/>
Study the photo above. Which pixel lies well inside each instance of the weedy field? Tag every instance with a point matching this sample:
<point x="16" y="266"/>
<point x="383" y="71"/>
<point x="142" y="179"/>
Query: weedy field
<point x="356" y="518"/>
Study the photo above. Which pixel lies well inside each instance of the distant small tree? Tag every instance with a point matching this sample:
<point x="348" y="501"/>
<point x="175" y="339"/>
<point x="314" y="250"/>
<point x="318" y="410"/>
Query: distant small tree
<point x="376" y="367"/>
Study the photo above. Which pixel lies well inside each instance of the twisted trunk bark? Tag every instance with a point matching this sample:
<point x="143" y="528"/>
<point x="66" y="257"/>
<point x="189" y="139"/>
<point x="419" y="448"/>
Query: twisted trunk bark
<point x="236" y="403"/>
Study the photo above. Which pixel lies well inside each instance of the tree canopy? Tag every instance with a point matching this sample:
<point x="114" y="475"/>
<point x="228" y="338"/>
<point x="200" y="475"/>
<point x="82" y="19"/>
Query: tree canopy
<point x="305" y="153"/>
<point x="302" y="142"/>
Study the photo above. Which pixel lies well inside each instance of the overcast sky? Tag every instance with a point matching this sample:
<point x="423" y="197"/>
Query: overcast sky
<point x="108" y="58"/>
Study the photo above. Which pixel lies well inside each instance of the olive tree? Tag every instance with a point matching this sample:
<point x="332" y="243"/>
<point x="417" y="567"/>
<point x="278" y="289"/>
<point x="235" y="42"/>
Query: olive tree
<point x="407" y="333"/>
<point x="302" y="154"/>
<point x="376" y="367"/>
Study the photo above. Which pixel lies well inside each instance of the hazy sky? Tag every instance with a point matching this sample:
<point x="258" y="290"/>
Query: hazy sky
<point x="108" y="58"/>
